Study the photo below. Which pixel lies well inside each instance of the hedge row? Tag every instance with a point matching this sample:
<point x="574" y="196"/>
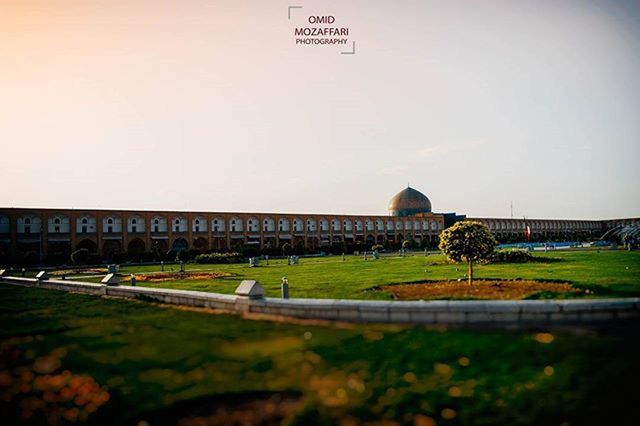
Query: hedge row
<point x="519" y="256"/>
<point x="512" y="256"/>
<point x="219" y="258"/>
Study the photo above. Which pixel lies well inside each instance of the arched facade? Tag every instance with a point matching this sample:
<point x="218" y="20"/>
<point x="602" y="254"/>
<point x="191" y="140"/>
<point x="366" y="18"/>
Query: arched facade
<point x="112" y="224"/>
<point x="58" y="224"/>
<point x="5" y="224"/>
<point x="199" y="224"/>
<point x="38" y="233"/>
<point x="28" y="224"/>
<point x="86" y="224"/>
<point x="179" y="224"/>
<point x="135" y="224"/>
<point x="158" y="224"/>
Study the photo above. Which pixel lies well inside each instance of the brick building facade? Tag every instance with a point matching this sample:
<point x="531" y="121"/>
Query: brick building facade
<point x="37" y="234"/>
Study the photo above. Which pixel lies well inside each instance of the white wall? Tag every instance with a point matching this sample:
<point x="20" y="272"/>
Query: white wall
<point x="86" y="224"/>
<point x="112" y="223"/>
<point x="199" y="224"/>
<point x="159" y="224"/>
<point x="58" y="224"/>
<point x="179" y="224"/>
<point x="135" y="222"/>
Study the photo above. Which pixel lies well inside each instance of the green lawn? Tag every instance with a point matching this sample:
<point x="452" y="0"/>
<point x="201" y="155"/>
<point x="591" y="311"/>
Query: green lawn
<point x="608" y="273"/>
<point x="159" y="363"/>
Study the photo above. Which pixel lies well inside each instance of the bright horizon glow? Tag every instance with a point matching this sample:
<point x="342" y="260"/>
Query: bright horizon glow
<point x="205" y="105"/>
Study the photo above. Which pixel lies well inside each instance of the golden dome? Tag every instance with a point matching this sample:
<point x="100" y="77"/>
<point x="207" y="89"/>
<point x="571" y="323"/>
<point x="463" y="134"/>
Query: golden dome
<point x="408" y="202"/>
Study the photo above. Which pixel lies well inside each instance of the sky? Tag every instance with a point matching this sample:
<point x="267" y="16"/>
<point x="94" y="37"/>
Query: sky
<point x="209" y="105"/>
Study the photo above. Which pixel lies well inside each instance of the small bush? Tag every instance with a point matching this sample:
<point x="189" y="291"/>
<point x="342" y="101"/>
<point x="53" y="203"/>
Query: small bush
<point x="219" y="258"/>
<point x="512" y="256"/>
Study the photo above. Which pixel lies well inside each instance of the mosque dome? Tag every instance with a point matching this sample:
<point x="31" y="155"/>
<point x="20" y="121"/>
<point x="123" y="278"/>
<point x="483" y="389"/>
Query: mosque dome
<point x="409" y="202"/>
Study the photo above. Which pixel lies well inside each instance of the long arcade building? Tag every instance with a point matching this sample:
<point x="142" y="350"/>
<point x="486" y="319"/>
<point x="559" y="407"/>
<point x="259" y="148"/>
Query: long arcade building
<point x="38" y="234"/>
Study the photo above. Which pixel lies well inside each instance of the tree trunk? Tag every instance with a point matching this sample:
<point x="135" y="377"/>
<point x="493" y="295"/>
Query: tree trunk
<point x="470" y="273"/>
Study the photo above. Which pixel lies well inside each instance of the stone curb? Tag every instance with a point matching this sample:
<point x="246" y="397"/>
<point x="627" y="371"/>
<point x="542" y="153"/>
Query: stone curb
<point x="412" y="312"/>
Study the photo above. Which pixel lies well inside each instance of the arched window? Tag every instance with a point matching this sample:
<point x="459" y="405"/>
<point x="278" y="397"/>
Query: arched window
<point x="27" y="221"/>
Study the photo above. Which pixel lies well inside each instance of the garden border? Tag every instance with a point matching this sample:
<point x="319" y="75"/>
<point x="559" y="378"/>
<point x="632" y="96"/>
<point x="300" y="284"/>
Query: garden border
<point x="506" y="313"/>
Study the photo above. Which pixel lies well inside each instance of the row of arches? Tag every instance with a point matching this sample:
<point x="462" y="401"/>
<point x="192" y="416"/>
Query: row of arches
<point x="519" y="225"/>
<point x="139" y="246"/>
<point x="87" y="224"/>
<point x="32" y="224"/>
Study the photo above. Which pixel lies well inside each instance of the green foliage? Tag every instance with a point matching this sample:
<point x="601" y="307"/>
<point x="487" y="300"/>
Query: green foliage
<point x="467" y="241"/>
<point x="153" y="359"/>
<point x="520" y="256"/>
<point x="512" y="256"/>
<point x="219" y="258"/>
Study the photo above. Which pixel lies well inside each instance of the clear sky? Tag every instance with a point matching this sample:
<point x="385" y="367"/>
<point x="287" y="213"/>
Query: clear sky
<point x="209" y="105"/>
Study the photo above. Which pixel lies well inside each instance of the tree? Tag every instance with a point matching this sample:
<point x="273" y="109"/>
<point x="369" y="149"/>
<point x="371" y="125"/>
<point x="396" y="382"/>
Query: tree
<point x="469" y="242"/>
<point x="407" y="244"/>
<point x="286" y="247"/>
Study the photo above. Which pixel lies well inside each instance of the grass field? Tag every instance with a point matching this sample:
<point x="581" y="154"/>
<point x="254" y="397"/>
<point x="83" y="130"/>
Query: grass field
<point x="607" y="273"/>
<point x="161" y="364"/>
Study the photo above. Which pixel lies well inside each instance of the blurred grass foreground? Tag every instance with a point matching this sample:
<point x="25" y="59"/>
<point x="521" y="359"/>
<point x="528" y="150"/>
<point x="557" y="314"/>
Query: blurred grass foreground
<point x="69" y="358"/>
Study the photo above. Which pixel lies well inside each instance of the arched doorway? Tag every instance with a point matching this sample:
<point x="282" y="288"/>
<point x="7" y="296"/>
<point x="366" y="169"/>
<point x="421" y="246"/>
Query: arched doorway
<point x="110" y="248"/>
<point x="136" y="246"/>
<point x="160" y="248"/>
<point x="85" y="252"/>
<point x="90" y="246"/>
<point x="201" y="244"/>
<point x="179" y="245"/>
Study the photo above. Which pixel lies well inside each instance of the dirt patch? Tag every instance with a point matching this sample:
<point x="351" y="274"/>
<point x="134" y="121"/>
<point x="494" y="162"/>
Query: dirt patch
<point x="482" y="289"/>
<point x="172" y="276"/>
<point x="96" y="271"/>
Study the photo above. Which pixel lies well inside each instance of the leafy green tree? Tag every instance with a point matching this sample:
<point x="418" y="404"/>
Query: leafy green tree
<point x="469" y="242"/>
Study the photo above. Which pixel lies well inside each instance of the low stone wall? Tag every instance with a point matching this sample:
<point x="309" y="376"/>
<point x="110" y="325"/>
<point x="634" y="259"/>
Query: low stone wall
<point x="519" y="312"/>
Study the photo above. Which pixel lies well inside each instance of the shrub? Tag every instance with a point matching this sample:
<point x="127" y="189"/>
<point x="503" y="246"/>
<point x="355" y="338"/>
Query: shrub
<point x="219" y="258"/>
<point x="511" y="256"/>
